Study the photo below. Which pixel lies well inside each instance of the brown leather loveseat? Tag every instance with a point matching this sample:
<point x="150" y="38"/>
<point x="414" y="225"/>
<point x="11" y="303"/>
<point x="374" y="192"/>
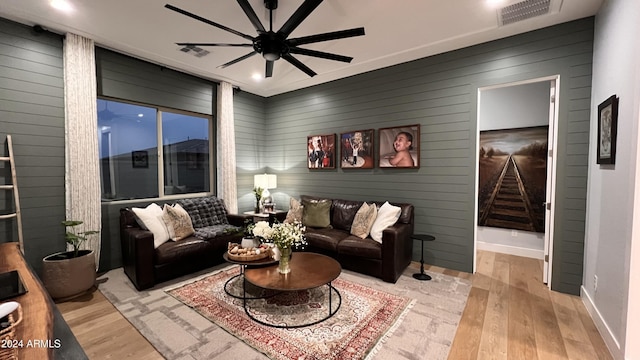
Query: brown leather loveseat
<point x="147" y="266"/>
<point x="386" y="260"/>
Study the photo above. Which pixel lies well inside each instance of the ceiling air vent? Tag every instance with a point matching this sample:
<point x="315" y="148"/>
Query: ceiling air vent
<point x="523" y="10"/>
<point x="194" y="50"/>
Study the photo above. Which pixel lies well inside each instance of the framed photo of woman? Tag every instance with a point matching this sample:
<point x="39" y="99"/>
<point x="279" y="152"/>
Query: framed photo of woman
<point x="356" y="149"/>
<point x="321" y="151"/>
<point x="399" y="147"/>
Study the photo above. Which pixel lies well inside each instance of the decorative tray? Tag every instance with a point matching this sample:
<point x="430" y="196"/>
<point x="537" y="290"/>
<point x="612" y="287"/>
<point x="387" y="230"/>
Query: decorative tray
<point x="237" y="253"/>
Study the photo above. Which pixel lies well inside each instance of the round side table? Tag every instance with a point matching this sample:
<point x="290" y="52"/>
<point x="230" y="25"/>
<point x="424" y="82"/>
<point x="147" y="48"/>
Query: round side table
<point x="422" y="237"/>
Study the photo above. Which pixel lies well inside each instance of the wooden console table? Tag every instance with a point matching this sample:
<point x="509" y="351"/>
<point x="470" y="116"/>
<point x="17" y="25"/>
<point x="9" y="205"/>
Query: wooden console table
<point x="42" y="323"/>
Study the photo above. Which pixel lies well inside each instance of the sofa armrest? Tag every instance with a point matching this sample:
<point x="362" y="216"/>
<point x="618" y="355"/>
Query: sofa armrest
<point x="138" y="254"/>
<point x="397" y="250"/>
<point x="238" y="219"/>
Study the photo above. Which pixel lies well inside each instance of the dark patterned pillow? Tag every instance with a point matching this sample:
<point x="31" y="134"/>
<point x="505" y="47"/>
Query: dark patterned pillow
<point x="219" y="210"/>
<point x="192" y="206"/>
<point x="205" y="211"/>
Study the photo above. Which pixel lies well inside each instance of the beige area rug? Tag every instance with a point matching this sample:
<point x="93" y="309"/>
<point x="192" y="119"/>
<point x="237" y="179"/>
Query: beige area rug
<point x="178" y="331"/>
<point x="363" y="316"/>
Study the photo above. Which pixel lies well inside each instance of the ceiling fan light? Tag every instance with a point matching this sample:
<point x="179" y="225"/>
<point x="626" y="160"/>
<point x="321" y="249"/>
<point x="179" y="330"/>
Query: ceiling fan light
<point x="271" y="56"/>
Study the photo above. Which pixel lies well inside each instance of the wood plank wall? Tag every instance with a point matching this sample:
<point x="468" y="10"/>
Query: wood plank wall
<point x="440" y="94"/>
<point x="32" y="111"/>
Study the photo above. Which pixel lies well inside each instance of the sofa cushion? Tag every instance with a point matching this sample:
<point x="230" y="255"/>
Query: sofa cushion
<point x="387" y="216"/>
<point x="325" y="238"/>
<point x="343" y="213"/>
<point x="363" y="220"/>
<point x="205" y="211"/>
<point x="150" y="218"/>
<point x="172" y="251"/>
<point x="178" y="222"/>
<point x="366" y="248"/>
<point x="315" y="213"/>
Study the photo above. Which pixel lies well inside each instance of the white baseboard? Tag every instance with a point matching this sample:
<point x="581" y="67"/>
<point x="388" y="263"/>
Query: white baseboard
<point x="511" y="250"/>
<point x="601" y="325"/>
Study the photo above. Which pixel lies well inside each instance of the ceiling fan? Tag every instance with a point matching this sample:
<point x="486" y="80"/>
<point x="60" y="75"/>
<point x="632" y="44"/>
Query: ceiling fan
<point x="274" y="45"/>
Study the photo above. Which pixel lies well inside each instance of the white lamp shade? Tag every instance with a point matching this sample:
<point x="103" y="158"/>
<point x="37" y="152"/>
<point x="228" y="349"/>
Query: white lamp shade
<point x="265" y="181"/>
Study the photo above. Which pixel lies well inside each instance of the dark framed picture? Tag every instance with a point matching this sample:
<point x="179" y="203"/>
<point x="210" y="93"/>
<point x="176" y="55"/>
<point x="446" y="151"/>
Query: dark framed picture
<point x="399" y="147"/>
<point x="607" y="130"/>
<point x="140" y="159"/>
<point x="356" y="149"/>
<point x="321" y="151"/>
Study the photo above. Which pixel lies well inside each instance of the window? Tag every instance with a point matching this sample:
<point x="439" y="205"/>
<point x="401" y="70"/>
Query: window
<point x="149" y="152"/>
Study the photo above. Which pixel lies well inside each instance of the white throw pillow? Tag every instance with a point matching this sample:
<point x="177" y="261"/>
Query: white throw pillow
<point x="387" y="216"/>
<point x="151" y="216"/>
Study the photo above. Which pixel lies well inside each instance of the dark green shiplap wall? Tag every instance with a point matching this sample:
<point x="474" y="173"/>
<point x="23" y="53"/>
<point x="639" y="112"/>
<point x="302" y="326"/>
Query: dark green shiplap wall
<point x="32" y="112"/>
<point x="440" y="94"/>
<point x="251" y="144"/>
<point x="123" y="77"/>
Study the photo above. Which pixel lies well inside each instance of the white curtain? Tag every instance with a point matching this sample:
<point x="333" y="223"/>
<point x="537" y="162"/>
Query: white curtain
<point x="82" y="171"/>
<point x="226" y="141"/>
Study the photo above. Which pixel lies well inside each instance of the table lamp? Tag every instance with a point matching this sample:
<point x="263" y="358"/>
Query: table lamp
<point x="265" y="182"/>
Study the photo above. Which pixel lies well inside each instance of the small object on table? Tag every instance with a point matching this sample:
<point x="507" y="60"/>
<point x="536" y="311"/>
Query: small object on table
<point x="422" y="237"/>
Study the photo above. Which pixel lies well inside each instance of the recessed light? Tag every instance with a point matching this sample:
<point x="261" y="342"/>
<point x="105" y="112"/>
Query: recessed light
<point x="62" y="5"/>
<point x="495" y="3"/>
<point x="257" y="76"/>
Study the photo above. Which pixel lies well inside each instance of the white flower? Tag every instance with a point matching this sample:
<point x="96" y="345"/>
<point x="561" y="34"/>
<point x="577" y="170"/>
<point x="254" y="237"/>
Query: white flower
<point x="263" y="230"/>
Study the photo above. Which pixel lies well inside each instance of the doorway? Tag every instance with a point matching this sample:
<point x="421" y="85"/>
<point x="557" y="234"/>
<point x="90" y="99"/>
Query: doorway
<point x="515" y="171"/>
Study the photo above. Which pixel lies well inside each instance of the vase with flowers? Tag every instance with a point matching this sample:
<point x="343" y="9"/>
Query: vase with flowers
<point x="257" y="192"/>
<point x="284" y="236"/>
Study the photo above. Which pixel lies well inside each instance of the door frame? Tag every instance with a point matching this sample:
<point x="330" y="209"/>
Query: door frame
<point x="551" y="171"/>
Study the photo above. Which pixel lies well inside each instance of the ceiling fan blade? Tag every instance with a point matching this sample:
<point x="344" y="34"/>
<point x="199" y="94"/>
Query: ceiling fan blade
<point x="213" y="44"/>
<point x="248" y="10"/>
<point x="298" y="17"/>
<point x="207" y="21"/>
<point x="295" y="62"/>
<point x="341" y="34"/>
<point x="320" y="54"/>
<point x="269" y="69"/>
<point x="238" y="59"/>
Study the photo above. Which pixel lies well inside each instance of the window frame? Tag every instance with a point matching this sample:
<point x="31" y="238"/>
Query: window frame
<point x="160" y="153"/>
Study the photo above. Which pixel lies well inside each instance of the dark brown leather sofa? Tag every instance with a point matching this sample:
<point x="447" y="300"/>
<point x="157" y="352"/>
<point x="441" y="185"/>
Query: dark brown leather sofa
<point x="386" y="261"/>
<point x="146" y="266"/>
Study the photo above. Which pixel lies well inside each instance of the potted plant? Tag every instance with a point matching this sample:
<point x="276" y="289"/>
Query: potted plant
<point x="70" y="273"/>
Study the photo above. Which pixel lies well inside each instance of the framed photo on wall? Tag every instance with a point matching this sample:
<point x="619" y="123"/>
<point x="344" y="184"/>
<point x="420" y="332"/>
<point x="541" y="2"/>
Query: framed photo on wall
<point x="399" y="147"/>
<point x="140" y="159"/>
<point x="356" y="149"/>
<point x="321" y="151"/>
<point x="607" y="130"/>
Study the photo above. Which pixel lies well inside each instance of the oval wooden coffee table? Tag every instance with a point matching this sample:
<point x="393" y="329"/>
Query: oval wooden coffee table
<point x="308" y="271"/>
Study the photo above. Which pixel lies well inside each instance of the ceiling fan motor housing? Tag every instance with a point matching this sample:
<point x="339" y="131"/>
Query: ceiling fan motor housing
<point x="271" y="45"/>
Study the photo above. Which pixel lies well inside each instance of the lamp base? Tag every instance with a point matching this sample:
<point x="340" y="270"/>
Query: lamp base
<point x="421" y="276"/>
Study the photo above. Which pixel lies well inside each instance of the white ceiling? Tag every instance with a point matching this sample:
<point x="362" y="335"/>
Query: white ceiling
<point x="396" y="32"/>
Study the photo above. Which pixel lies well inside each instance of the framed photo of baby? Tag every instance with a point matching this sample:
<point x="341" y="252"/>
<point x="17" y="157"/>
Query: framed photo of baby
<point x="399" y="147"/>
<point x="356" y="149"/>
<point x="321" y="151"/>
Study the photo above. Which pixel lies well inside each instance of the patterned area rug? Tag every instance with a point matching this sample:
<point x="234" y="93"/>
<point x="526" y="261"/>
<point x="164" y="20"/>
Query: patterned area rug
<point x="365" y="316"/>
<point x="179" y="332"/>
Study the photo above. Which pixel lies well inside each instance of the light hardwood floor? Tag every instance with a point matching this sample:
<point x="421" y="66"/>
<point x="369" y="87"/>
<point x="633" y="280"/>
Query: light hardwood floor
<point x="510" y="314"/>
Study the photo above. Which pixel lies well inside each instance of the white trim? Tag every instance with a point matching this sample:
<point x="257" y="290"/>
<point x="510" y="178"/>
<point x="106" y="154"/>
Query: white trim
<point x="607" y="335"/>
<point x="511" y="250"/>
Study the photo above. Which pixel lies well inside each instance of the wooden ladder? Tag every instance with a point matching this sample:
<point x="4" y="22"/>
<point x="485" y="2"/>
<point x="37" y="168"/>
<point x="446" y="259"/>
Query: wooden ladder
<point x="14" y="187"/>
